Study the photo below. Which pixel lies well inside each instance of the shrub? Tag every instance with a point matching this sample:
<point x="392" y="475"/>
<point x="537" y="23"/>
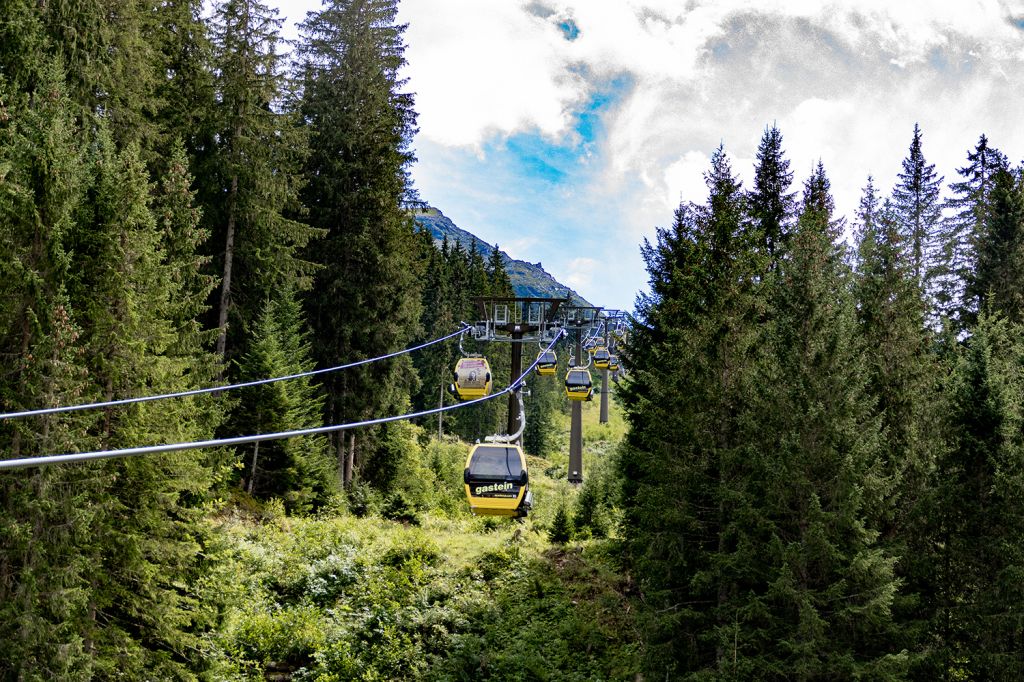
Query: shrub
<point x="561" y="530"/>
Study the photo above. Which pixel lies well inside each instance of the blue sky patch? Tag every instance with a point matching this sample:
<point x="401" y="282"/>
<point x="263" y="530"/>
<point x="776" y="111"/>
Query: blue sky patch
<point x="570" y="31"/>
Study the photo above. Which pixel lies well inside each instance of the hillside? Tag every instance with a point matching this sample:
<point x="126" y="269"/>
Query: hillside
<point x="528" y="279"/>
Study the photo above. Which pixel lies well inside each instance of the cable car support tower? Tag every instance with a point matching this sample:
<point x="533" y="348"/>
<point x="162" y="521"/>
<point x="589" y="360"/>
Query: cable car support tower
<point x="578" y="319"/>
<point x="517" y="320"/>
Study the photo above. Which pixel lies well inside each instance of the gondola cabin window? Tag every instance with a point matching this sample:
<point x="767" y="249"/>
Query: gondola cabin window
<point x="495" y="462"/>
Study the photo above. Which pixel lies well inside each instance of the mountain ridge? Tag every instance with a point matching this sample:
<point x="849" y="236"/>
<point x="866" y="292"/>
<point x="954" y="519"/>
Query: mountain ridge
<point x="529" y="280"/>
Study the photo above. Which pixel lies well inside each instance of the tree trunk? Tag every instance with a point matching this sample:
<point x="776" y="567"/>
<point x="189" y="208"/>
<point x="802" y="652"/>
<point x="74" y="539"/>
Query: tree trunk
<point x="229" y="255"/>
<point x="350" y="460"/>
<point x="440" y="415"/>
<point x="338" y="442"/>
<point x="252" y="476"/>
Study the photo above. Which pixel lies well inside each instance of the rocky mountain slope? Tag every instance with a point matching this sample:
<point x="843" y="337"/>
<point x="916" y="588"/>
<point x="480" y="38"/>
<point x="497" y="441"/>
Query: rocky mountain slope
<point x="528" y="279"/>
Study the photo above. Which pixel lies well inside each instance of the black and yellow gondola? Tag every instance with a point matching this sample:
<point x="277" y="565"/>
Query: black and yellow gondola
<point x="601" y="356"/>
<point x="497" y="483"/>
<point x="578" y="385"/>
<point x="613" y="363"/>
<point x="547" y="363"/>
<point x="472" y="378"/>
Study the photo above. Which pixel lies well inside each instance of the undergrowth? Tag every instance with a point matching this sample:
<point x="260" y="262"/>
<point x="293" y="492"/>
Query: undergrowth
<point x="410" y="586"/>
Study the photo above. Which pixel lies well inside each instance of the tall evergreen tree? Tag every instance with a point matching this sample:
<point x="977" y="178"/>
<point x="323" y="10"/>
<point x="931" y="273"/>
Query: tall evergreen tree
<point x="917" y="206"/>
<point x="145" y="524"/>
<point x="257" y="173"/>
<point x="770" y="205"/>
<point x="965" y="228"/>
<point x="998" y="279"/>
<point x="813" y="601"/>
<point x="299" y="471"/>
<point x="185" y="105"/>
<point x="978" y="516"/>
<point x="690" y="359"/>
<point x="44" y="616"/>
<point x="364" y="301"/>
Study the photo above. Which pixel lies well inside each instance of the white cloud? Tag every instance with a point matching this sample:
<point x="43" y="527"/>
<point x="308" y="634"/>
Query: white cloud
<point x="845" y="82"/>
<point x="482" y="68"/>
<point x="684" y="179"/>
<point x="580" y="273"/>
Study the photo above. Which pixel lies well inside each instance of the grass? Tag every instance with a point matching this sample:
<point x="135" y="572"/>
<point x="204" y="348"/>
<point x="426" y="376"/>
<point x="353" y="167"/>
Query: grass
<point x="454" y="597"/>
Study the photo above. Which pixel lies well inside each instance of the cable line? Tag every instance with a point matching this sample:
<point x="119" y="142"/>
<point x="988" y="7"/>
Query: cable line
<point x="226" y="387"/>
<point x="257" y="438"/>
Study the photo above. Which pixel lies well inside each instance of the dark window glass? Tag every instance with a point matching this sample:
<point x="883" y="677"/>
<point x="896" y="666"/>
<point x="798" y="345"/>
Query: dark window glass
<point x="495" y="461"/>
<point x="578" y="379"/>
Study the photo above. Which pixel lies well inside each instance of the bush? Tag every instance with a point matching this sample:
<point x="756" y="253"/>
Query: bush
<point x="561" y="530"/>
<point x="363" y="500"/>
<point x="288" y="635"/>
<point x="399" y="508"/>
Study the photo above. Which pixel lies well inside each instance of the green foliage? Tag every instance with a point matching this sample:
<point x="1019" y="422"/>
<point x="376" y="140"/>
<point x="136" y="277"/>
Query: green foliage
<point x="752" y="455"/>
<point x="996" y="281"/>
<point x="298" y="470"/>
<point x="770" y="207"/>
<point x="964" y="231"/>
<point x="364" y="300"/>
<point x="975" y="527"/>
<point x="252" y="182"/>
<point x="917" y="209"/>
<point x="562" y="529"/>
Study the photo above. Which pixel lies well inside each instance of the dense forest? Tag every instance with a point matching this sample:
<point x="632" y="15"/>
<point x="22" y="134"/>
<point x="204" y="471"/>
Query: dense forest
<point x="815" y="468"/>
<point x="822" y="477"/>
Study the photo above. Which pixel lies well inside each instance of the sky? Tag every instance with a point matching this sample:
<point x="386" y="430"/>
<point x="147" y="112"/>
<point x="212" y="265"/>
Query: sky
<point x="567" y="131"/>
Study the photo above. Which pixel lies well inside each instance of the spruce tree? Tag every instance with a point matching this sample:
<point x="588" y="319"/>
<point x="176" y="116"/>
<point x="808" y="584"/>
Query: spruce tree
<point x="978" y="517"/>
<point x="690" y="359"/>
<point x="814" y="601"/>
<point x="45" y="620"/>
<point x="364" y="301"/>
<point x="997" y="279"/>
<point x="145" y="526"/>
<point x="300" y="470"/>
<point x="254" y="182"/>
<point x="965" y="229"/>
<point x="185" y="104"/>
<point x="770" y="205"/>
<point x="917" y="206"/>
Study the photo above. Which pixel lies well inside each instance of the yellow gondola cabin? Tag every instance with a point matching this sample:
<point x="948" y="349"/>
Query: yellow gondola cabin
<point x="547" y="363"/>
<point x="496" y="480"/>
<point x="601" y="356"/>
<point x="472" y="378"/>
<point x="578" y="385"/>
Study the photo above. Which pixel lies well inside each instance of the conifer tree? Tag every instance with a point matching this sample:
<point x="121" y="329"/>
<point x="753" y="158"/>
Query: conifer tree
<point x="965" y="229"/>
<point x="364" y="301"/>
<point x="300" y="470"/>
<point x="770" y="205"/>
<point x="890" y="314"/>
<point x="185" y="89"/>
<point x="44" y="615"/>
<point x="978" y="515"/>
<point x="997" y="279"/>
<point x="690" y="359"/>
<point x="819" y="594"/>
<point x="145" y="528"/>
<point x="917" y="206"/>
<point x="256" y="176"/>
<point x="438" y="315"/>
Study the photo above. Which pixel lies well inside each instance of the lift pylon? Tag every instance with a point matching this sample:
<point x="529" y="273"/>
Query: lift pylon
<point x="518" y="320"/>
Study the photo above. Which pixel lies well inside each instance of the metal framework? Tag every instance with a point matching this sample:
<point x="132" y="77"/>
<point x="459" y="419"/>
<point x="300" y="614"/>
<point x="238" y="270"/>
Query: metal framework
<point x="518" y="320"/>
<point x="578" y="318"/>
